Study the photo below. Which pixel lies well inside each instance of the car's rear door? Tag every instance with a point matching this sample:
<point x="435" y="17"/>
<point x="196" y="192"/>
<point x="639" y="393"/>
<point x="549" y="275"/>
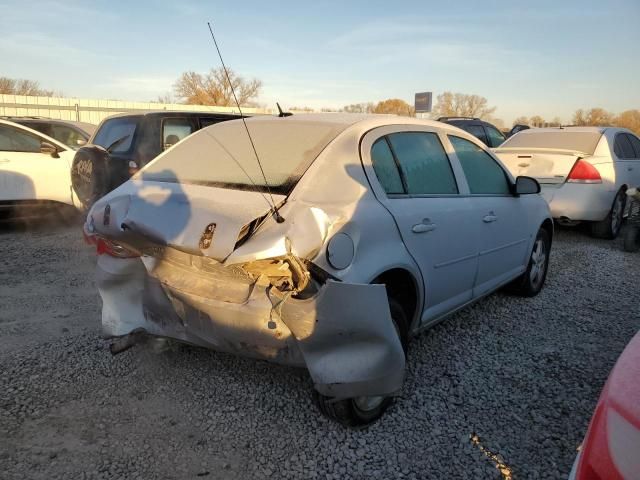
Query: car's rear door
<point x="503" y="219"/>
<point x="627" y="149"/>
<point x="418" y="186"/>
<point x="28" y="174"/>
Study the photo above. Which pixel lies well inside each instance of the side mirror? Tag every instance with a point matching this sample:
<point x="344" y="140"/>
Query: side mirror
<point x="527" y="186"/>
<point x="81" y="142"/>
<point x="49" y="148"/>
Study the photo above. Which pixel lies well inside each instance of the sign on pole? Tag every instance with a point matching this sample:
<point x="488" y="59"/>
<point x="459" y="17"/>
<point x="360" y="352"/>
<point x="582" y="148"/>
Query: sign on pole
<point x="423" y="102"/>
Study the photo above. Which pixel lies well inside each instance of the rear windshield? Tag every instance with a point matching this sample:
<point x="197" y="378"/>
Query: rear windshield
<point x="565" y="140"/>
<point x="221" y="155"/>
<point x="121" y="128"/>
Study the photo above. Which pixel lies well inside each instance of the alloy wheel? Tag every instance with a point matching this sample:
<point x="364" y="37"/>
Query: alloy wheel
<point x="538" y="263"/>
<point x="616" y="214"/>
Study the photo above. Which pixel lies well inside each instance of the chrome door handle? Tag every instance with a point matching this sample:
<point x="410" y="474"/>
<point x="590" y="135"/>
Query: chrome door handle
<point x="489" y="218"/>
<point x="423" y="227"/>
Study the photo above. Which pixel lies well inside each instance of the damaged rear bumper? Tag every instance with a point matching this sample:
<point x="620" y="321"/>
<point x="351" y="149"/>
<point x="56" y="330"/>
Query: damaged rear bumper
<point x="343" y="334"/>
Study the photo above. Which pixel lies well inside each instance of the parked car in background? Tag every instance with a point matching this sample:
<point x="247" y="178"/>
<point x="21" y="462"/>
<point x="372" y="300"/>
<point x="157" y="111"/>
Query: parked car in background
<point x="124" y="143"/>
<point x="584" y="171"/>
<point x="72" y="134"/>
<point x="34" y="173"/>
<point x="517" y="128"/>
<point x="487" y="133"/>
<point x="611" y="447"/>
<point x="352" y="233"/>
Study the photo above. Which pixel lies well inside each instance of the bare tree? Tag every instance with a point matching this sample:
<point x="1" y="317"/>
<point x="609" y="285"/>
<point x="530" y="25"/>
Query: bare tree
<point x="536" y="121"/>
<point x="556" y="122"/>
<point x="521" y="121"/>
<point x="19" y="86"/>
<point x="301" y="109"/>
<point x="394" y="106"/>
<point x="594" y="116"/>
<point x="214" y="89"/>
<point x="629" y="119"/>
<point x="166" y="98"/>
<point x="450" y="104"/>
<point x="359" y="108"/>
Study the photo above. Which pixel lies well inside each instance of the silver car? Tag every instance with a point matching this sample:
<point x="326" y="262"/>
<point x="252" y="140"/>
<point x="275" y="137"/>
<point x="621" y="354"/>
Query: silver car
<point x="584" y="171"/>
<point x="350" y="234"/>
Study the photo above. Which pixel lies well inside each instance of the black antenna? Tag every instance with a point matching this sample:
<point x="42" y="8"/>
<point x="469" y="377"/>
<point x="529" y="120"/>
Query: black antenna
<point x="278" y="217"/>
<point x="281" y="113"/>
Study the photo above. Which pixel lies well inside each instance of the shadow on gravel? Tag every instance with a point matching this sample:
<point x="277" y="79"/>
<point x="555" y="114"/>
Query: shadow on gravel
<point x="46" y="219"/>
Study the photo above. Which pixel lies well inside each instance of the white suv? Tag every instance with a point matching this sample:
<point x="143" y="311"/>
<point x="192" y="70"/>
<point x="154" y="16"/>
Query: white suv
<point x="34" y="172"/>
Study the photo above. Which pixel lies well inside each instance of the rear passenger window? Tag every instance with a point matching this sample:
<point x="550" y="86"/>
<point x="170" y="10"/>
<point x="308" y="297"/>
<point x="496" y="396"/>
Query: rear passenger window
<point x="477" y="131"/>
<point x="622" y="146"/>
<point x="483" y="173"/>
<point x="424" y="163"/>
<point x="174" y="130"/>
<point x="635" y="142"/>
<point x="385" y="167"/>
<point x="495" y="137"/>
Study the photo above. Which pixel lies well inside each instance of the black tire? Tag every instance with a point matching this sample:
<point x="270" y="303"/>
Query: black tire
<point x="631" y="239"/>
<point x="90" y="174"/>
<point x="609" y="228"/>
<point x="348" y="412"/>
<point x="532" y="280"/>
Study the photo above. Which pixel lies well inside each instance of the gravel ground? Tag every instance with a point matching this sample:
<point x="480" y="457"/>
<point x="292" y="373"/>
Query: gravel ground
<point x="507" y="383"/>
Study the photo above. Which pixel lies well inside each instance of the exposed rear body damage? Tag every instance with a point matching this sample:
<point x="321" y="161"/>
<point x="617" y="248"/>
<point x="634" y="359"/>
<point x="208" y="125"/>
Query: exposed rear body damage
<point x="343" y="333"/>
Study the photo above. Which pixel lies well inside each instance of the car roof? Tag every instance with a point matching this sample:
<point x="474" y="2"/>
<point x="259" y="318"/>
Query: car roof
<point x="360" y="120"/>
<point x="533" y="131"/>
<point x="171" y="113"/>
<point x="86" y="127"/>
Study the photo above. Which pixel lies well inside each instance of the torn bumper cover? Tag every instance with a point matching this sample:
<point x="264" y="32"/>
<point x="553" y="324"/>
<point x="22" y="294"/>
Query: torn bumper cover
<point x="343" y="334"/>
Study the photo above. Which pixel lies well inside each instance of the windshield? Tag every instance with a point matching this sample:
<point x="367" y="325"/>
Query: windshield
<point x="562" y="139"/>
<point x="115" y="129"/>
<point x="221" y="155"/>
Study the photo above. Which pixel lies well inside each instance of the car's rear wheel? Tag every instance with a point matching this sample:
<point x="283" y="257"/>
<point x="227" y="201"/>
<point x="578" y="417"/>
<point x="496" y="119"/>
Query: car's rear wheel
<point x="631" y="239"/>
<point x="609" y="228"/>
<point x="361" y="411"/>
<point x="532" y="280"/>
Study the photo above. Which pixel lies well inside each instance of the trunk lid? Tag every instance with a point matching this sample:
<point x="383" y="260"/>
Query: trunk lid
<point x="196" y="219"/>
<point x="548" y="166"/>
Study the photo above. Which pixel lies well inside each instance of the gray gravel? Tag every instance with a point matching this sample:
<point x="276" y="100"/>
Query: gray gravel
<point x="518" y="376"/>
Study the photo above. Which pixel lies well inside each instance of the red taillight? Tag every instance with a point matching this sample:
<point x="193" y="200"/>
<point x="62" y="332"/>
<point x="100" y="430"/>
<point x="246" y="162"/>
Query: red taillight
<point x="104" y="246"/>
<point x="584" y="172"/>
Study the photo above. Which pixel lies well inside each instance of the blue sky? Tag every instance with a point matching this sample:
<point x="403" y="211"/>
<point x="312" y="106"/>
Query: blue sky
<point x="541" y="57"/>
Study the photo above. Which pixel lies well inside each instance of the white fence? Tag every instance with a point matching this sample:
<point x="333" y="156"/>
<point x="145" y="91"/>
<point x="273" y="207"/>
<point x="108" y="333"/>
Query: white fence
<point x="92" y="110"/>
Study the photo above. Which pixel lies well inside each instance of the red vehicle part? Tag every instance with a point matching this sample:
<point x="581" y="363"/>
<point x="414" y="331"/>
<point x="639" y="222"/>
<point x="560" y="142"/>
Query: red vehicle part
<point x="611" y="448"/>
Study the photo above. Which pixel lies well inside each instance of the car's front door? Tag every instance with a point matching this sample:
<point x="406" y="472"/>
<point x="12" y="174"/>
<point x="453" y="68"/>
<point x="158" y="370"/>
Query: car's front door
<point x="419" y="188"/>
<point x="505" y="231"/>
<point x="28" y="174"/>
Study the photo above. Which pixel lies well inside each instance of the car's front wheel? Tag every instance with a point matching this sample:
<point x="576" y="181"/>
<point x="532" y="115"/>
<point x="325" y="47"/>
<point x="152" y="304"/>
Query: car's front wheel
<point x="361" y="411"/>
<point x="532" y="280"/>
